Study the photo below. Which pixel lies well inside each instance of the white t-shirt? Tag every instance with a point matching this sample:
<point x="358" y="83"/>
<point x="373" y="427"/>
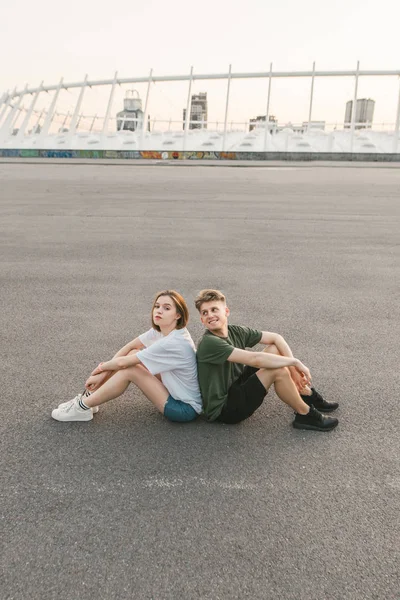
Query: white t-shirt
<point x="173" y="357"/>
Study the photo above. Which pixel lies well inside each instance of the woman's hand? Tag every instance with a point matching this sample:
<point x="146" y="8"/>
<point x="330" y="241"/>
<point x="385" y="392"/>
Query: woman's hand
<point x="96" y="381"/>
<point x="97" y="370"/>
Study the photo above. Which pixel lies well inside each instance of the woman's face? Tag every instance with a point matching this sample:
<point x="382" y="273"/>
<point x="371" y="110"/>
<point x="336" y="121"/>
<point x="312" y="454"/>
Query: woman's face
<point x="164" y="313"/>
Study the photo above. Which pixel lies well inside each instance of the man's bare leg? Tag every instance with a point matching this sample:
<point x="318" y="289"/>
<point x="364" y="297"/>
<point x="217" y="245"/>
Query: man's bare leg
<point x="284" y="387"/>
<point x="314" y="397"/>
<point x="272" y="349"/>
<point x="307" y="417"/>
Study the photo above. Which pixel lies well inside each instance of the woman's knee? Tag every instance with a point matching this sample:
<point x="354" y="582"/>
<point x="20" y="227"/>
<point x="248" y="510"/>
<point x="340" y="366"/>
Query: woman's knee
<point x="128" y="374"/>
<point x="134" y="373"/>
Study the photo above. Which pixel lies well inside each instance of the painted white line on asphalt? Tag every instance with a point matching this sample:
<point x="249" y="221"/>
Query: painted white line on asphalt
<point x="162" y="482"/>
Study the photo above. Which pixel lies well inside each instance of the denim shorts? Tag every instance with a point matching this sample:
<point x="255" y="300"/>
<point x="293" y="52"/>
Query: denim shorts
<point x="176" y="410"/>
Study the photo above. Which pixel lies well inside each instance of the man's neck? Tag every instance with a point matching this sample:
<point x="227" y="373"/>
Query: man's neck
<point x="222" y="333"/>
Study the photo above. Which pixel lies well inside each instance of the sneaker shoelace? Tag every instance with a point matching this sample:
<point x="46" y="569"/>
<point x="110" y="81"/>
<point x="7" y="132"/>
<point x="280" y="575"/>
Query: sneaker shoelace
<point x="71" y="403"/>
<point x="318" y="396"/>
<point x="316" y="414"/>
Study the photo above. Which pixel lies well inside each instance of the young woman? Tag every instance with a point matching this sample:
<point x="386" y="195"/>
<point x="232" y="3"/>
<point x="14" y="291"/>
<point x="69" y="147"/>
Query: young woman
<point x="161" y="362"/>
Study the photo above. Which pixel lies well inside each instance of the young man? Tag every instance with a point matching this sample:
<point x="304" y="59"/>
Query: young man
<point x="234" y="381"/>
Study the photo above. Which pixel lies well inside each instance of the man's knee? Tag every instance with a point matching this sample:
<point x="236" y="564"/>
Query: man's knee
<point x="281" y="373"/>
<point x="271" y="349"/>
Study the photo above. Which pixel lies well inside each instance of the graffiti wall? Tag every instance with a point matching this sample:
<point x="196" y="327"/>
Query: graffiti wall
<point x="194" y="155"/>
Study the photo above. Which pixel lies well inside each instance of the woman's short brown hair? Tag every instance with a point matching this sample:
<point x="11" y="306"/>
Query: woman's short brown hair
<point x="180" y="306"/>
<point x="208" y="296"/>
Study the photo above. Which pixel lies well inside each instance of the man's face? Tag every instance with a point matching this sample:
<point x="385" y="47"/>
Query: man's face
<point x="214" y="315"/>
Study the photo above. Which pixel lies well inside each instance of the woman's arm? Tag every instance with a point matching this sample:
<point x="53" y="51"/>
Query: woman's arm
<point x="135" y="344"/>
<point x="117" y="363"/>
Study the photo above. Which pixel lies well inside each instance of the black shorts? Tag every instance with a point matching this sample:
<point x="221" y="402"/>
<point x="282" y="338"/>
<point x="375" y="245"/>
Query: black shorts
<point x="245" y="395"/>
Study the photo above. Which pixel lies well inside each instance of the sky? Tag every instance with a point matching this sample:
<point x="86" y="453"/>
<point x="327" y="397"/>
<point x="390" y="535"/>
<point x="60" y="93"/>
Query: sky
<point x="43" y="41"/>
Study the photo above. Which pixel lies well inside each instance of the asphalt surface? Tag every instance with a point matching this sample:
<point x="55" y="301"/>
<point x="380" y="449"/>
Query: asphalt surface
<point x="132" y="506"/>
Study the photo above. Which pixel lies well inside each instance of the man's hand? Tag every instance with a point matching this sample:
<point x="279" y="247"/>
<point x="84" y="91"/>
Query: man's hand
<point x="299" y="379"/>
<point x="304" y="372"/>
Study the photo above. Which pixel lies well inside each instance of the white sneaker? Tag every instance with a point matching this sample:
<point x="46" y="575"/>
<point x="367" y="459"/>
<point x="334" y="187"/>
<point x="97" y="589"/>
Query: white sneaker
<point x="95" y="409"/>
<point x="71" y="411"/>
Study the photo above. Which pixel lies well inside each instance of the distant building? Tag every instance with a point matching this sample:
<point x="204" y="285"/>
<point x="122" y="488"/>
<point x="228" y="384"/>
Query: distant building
<point x="273" y="127"/>
<point x="259" y="123"/>
<point x="364" y="113"/>
<point x="131" y="118"/>
<point x="320" y="125"/>
<point x="198" y="111"/>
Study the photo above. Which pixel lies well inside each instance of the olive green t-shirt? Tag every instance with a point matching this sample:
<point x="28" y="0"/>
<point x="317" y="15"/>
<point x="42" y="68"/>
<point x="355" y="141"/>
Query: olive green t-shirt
<point x="215" y="373"/>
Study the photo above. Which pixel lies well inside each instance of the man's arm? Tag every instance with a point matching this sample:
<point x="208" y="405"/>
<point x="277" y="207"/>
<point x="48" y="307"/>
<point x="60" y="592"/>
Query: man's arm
<point x="264" y="360"/>
<point x="283" y="348"/>
<point x="269" y="338"/>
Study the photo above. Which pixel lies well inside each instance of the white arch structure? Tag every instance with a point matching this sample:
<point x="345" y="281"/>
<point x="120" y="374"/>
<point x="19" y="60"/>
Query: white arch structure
<point x="11" y="102"/>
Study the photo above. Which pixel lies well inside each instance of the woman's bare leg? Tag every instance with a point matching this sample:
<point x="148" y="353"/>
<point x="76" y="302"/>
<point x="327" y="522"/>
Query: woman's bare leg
<point x="108" y="375"/>
<point x="150" y="385"/>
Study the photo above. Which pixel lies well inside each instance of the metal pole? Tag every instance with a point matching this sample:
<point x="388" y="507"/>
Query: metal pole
<point x="188" y="105"/>
<point x="5" y="130"/>
<point x="396" y="127"/>
<point x="354" y="108"/>
<point x="74" y="121"/>
<point x="34" y="130"/>
<point x="311" y="98"/>
<point x="28" y="115"/>
<point x="52" y="119"/>
<point x="226" y="107"/>
<point x="65" y="120"/>
<point x="79" y="120"/>
<point x="92" y="124"/>
<point x="49" y="118"/>
<point x="146" y="105"/>
<point x="15" y="118"/>
<point x="5" y="100"/>
<point x="110" y="101"/>
<point x="222" y="76"/>
<point x="267" y="111"/>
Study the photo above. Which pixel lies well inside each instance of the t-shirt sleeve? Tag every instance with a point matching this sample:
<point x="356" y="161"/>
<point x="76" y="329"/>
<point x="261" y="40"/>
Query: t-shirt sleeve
<point x="163" y="355"/>
<point x="249" y="337"/>
<point x="214" y="350"/>
<point x="149" y="337"/>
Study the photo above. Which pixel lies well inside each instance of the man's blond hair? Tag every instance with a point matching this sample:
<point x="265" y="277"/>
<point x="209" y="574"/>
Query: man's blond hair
<point x="208" y="296"/>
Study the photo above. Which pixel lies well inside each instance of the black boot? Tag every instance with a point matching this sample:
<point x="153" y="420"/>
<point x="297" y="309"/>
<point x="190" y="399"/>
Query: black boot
<point x="318" y="402"/>
<point x="314" y="420"/>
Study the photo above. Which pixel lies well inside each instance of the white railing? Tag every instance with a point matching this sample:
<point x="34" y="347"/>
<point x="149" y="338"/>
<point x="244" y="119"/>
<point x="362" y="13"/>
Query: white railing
<point x="12" y="108"/>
